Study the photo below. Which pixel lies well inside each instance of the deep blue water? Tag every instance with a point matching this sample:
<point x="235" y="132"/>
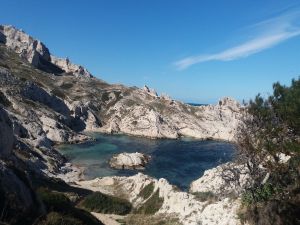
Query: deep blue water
<point x="179" y="161"/>
<point x="195" y="104"/>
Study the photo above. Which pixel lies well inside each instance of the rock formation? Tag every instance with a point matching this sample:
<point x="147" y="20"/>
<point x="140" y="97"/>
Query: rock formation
<point x="125" y="160"/>
<point x="185" y="206"/>
<point x="36" y="53"/>
<point x="150" y="91"/>
<point x="213" y="180"/>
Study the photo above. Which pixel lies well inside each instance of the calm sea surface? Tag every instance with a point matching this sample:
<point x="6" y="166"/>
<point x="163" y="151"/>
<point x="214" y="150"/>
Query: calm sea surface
<point x="179" y="161"/>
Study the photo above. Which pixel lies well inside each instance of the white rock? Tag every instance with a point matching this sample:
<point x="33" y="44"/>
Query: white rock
<point x="70" y="67"/>
<point x="184" y="205"/>
<point x="26" y="46"/>
<point x="212" y="180"/>
<point x="129" y="161"/>
<point x="34" y="51"/>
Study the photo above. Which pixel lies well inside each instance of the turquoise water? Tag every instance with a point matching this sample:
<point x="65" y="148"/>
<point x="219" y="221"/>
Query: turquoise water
<point x="179" y="161"/>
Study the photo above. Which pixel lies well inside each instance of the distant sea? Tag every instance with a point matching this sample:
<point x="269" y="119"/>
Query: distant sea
<point x="195" y="104"/>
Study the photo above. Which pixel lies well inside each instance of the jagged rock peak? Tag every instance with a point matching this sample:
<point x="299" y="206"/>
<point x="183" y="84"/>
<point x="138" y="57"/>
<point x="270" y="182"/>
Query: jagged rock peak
<point x="69" y="67"/>
<point x="150" y="91"/>
<point x="229" y="102"/>
<point x="37" y="54"/>
<point x="24" y="45"/>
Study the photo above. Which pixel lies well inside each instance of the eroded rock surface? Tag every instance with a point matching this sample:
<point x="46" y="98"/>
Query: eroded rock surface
<point x="185" y="206"/>
<point x="213" y="180"/>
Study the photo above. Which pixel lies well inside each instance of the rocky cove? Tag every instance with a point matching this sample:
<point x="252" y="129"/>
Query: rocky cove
<point x="47" y="101"/>
<point x="178" y="161"/>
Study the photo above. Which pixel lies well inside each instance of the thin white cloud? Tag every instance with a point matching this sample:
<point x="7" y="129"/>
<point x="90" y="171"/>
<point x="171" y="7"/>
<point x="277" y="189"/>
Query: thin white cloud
<point x="270" y="33"/>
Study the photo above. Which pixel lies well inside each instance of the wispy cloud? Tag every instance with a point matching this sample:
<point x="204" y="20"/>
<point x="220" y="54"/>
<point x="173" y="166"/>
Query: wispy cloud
<point x="267" y="34"/>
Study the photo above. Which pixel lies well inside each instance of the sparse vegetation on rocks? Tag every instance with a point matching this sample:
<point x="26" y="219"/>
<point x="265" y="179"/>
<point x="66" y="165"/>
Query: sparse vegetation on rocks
<point x="98" y="202"/>
<point x="152" y="205"/>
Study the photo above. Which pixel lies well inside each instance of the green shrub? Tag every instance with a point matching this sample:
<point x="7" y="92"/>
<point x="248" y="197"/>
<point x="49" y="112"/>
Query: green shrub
<point x="53" y="200"/>
<point x="263" y="193"/>
<point x="54" y="218"/>
<point x="147" y="191"/>
<point x="98" y="202"/>
<point x="152" y="205"/>
<point x="61" y="210"/>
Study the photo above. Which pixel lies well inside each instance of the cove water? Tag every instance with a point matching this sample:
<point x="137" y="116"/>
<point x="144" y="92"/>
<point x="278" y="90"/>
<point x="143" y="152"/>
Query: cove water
<point x="179" y="161"/>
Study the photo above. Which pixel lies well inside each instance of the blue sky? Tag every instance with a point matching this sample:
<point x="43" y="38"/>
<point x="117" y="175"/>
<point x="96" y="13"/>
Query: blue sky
<point x="196" y="51"/>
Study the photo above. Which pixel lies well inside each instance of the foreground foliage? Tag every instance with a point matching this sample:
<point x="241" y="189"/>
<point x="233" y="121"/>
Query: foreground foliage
<point x="270" y="134"/>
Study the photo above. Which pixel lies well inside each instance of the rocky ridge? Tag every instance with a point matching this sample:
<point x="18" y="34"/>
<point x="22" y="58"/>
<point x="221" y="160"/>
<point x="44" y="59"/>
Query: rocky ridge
<point x="37" y="54"/>
<point x="72" y="91"/>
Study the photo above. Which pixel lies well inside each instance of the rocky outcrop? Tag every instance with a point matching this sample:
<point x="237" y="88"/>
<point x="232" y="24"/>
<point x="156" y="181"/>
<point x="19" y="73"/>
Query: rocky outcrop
<point x="185" y="206"/>
<point x="71" y="68"/>
<point x="213" y="180"/>
<point x="37" y="54"/>
<point x="150" y="91"/>
<point x="125" y="160"/>
<point x="160" y="118"/>
<point x="27" y="47"/>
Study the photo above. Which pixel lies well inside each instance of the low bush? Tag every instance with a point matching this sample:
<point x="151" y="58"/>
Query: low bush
<point x="262" y="193"/>
<point x="273" y="212"/>
<point x="146" y="191"/>
<point x="152" y="205"/>
<point x="61" y="210"/>
<point x="101" y="203"/>
<point x="54" y="201"/>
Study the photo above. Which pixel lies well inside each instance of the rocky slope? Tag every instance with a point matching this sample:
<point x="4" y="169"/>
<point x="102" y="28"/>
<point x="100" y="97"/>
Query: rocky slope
<point x="166" y="199"/>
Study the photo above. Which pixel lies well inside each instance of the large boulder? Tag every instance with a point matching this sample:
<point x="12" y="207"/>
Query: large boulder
<point x="129" y="161"/>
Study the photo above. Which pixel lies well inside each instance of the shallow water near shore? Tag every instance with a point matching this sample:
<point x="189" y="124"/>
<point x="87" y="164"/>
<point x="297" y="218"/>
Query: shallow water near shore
<point x="179" y="161"/>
